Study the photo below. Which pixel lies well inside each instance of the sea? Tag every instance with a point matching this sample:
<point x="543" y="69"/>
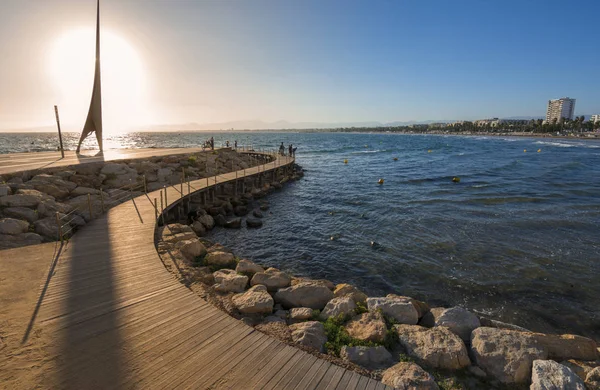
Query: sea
<point x="517" y="239"/>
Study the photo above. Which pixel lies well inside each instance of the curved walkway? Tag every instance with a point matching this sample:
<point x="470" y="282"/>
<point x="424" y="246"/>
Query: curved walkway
<point x="113" y="317"/>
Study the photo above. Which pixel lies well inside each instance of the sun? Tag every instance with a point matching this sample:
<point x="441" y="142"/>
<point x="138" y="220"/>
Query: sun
<point x="124" y="89"/>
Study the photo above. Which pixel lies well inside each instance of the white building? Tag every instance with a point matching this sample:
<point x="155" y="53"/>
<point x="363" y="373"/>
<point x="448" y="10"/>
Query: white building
<point x="559" y="109"/>
<point x="509" y="122"/>
<point x="595" y="118"/>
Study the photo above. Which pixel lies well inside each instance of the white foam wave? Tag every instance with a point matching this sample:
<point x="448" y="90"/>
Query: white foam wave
<point x="559" y="144"/>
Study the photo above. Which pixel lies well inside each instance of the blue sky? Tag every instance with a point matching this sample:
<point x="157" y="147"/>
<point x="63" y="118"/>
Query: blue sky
<point x="318" y="61"/>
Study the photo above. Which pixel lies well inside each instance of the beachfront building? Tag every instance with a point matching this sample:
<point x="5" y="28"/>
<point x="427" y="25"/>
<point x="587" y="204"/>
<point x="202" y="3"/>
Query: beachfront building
<point x="484" y="122"/>
<point x="508" y="122"/>
<point x="560" y="109"/>
<point x="595" y="118"/>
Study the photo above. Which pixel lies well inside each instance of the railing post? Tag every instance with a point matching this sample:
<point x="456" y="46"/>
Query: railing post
<point x="162" y="208"/>
<point x="59" y="227"/>
<point x="182" y="180"/>
<point x="155" y="210"/>
<point x="101" y="199"/>
<point x="90" y="205"/>
<point x="166" y="202"/>
<point x="145" y="188"/>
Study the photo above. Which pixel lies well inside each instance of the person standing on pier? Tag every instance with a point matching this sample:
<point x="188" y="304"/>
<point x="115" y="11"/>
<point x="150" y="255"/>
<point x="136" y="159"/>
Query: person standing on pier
<point x="290" y="150"/>
<point x="212" y="143"/>
<point x="281" y="149"/>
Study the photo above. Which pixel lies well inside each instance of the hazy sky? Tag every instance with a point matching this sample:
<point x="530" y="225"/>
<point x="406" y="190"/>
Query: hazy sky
<point x="180" y="61"/>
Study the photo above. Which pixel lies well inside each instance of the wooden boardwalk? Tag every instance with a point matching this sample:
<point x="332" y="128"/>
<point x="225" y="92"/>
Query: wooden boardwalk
<point x="115" y="318"/>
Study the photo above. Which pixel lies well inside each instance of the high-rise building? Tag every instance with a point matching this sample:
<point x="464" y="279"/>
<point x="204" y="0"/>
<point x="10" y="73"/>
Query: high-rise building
<point x="595" y="118"/>
<point x="558" y="109"/>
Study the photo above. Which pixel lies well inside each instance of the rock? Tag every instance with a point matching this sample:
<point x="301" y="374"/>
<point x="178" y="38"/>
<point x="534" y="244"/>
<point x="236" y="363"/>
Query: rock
<point x="264" y="207"/>
<point x="580" y="368"/>
<point x="567" y="346"/>
<point x="592" y="379"/>
<point x="221" y="259"/>
<point x="255" y="300"/>
<point x="81" y="203"/>
<point x="240" y="211"/>
<point x="20" y="200"/>
<point x="367" y="327"/>
<point x="235" y="223"/>
<point x="372" y="358"/>
<point x="549" y="375"/>
<point x="87" y="181"/>
<point x="400" y="310"/>
<point x="460" y="321"/>
<point x="428" y="320"/>
<point x="218" y="248"/>
<point x="507" y="355"/>
<point x="421" y="307"/>
<point x="257" y="213"/>
<point x="321" y="282"/>
<point x="272" y="278"/>
<point x="303" y="295"/>
<point x="11" y="226"/>
<point x="8" y="241"/>
<point x="216" y="211"/>
<point x="23" y="213"/>
<point x="351" y="291"/>
<point x="310" y="334"/>
<point x="191" y="249"/>
<point x="253" y="222"/>
<point x="220" y="220"/>
<point x="247" y="267"/>
<point x="478" y="372"/>
<point x="207" y="221"/>
<point x="408" y="376"/>
<point x="436" y="347"/>
<point x="5" y="190"/>
<point x="163" y="174"/>
<point x="84" y="191"/>
<point x="119" y="175"/>
<point x="229" y="281"/>
<point x="176" y="232"/>
<point x="300" y="313"/>
<point x="89" y="168"/>
<point x="47" y="227"/>
<point x="49" y="208"/>
<point x="272" y="318"/>
<point x="52" y="185"/>
<point x="342" y="306"/>
<point x="198" y="228"/>
<point x="500" y="325"/>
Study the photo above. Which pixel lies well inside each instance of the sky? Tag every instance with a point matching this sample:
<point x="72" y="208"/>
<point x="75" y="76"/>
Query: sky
<point x="331" y="61"/>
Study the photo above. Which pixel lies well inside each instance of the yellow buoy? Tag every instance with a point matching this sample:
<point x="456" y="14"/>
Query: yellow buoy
<point x="524" y="150"/>
<point x="456" y="179"/>
<point x="346" y="161"/>
<point x="395" y="158"/>
<point x="380" y="181"/>
<point x="539" y="150"/>
<point x="429" y="151"/>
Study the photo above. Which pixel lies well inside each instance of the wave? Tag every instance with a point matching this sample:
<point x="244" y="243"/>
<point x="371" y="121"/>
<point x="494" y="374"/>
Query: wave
<point x="369" y="151"/>
<point x="559" y="144"/>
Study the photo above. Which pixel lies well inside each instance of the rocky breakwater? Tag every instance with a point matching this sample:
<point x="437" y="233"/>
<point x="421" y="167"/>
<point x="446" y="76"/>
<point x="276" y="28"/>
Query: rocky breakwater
<point x="399" y="340"/>
<point x="30" y="201"/>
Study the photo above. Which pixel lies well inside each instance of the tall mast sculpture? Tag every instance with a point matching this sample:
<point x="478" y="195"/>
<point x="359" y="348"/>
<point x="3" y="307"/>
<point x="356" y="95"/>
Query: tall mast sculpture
<point x="93" y="123"/>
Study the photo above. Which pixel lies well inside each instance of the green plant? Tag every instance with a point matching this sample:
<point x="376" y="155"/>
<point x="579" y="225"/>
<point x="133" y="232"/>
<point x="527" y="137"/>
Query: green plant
<point x="192" y="160"/>
<point x="405" y="358"/>
<point x="337" y="336"/>
<point x="360" y="308"/>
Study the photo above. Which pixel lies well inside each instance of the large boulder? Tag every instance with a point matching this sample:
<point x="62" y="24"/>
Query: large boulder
<point x="300" y="314"/>
<point x="86" y="190"/>
<point x="408" y="376"/>
<point x="253" y="222"/>
<point x="82" y="204"/>
<point x="372" y="358"/>
<point x="47" y="227"/>
<point x="8" y="241"/>
<point x="507" y="355"/>
<point x="272" y="278"/>
<point x="20" y="200"/>
<point x="255" y="300"/>
<point x="343" y="306"/>
<point x="198" y="228"/>
<point x="230" y="281"/>
<point x="421" y="307"/>
<point x="52" y="185"/>
<point x="11" y="226"/>
<point x="23" y="213"/>
<point x="119" y="175"/>
<point x="49" y="208"/>
<point x="207" y="220"/>
<point x="351" y="291"/>
<point x="87" y="181"/>
<point x="5" y="190"/>
<point x="436" y="347"/>
<point x="549" y="375"/>
<point x="402" y="311"/>
<point x="220" y="259"/>
<point x="567" y="346"/>
<point x="303" y="295"/>
<point x="235" y="223"/>
<point x="310" y="334"/>
<point x="592" y="380"/>
<point x="191" y="249"/>
<point x="459" y="320"/>
<point x="367" y="327"/>
<point x="176" y="232"/>
<point x="247" y="267"/>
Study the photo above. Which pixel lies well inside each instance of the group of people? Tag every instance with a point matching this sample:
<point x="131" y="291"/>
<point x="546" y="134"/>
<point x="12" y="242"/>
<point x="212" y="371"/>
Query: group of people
<point x="291" y="150"/>
<point x="210" y="144"/>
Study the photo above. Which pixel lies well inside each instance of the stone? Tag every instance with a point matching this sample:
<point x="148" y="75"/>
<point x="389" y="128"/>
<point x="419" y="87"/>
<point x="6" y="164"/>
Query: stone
<point x="255" y="300"/>
<point x="81" y="204"/>
<point x="351" y="291"/>
<point x="8" y="241"/>
<point x="300" y="313"/>
<point x="23" y="213"/>
<point x="84" y="191"/>
<point x="459" y="320"/>
<point x="164" y="173"/>
<point x="229" y="281"/>
<point x="89" y="168"/>
<point x="87" y="181"/>
<point x="253" y="222"/>
<point x="428" y="319"/>
<point x="273" y="318"/>
<point x="567" y="346"/>
<point x="49" y="208"/>
<point x="221" y="259"/>
<point x="303" y="295"/>
<point x="119" y="175"/>
<point x="234" y="223"/>
<point x="490" y="323"/>
<point x="549" y="375"/>
<point x="257" y="213"/>
<point x="176" y="232"/>
<point x="507" y="355"/>
<point x="580" y="368"/>
<point x="342" y="306"/>
<point x="47" y="227"/>
<point x="372" y="358"/>
<point x="310" y="334"/>
<point x="20" y="200"/>
<point x="247" y="267"/>
<point x="220" y="220"/>
<point x="400" y="310"/>
<point x="240" y="211"/>
<point x="436" y="347"/>
<point x="198" y="228"/>
<point x="264" y="207"/>
<point x="5" y="190"/>
<point x="592" y="380"/>
<point x="272" y="278"/>
<point x="321" y="282"/>
<point x="421" y="307"/>
<point x="408" y="376"/>
<point x="207" y="221"/>
<point x="11" y="226"/>
<point x="191" y="249"/>
<point x="283" y="314"/>
<point x="367" y="327"/>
